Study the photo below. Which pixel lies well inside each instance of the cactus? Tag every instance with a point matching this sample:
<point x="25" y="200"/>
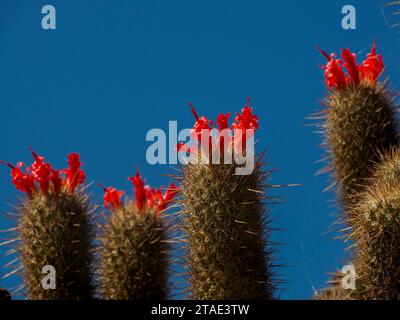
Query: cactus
<point x="359" y="122"/>
<point x="134" y="250"/>
<point x="224" y="219"/>
<point x="377" y="232"/>
<point x="359" y="125"/>
<point x="54" y="229"/>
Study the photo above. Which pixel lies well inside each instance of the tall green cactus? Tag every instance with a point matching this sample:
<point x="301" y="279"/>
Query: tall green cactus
<point x="54" y="229"/>
<point x="359" y="122"/>
<point x="134" y="250"/>
<point x="377" y="232"/>
<point x="226" y="224"/>
<point x="358" y="126"/>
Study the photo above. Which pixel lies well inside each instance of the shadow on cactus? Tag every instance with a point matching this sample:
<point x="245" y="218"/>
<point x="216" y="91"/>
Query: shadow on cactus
<point x="134" y="246"/>
<point x="53" y="226"/>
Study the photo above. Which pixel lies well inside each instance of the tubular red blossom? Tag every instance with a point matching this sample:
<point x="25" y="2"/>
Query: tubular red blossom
<point x="369" y="70"/>
<point x="112" y="197"/>
<point x="223" y="121"/>
<point x="351" y="66"/>
<point x="147" y="197"/>
<point x="246" y="119"/>
<point x="373" y="66"/>
<point x="334" y="74"/>
<point x="243" y="121"/>
<point x="154" y="197"/>
<point x="75" y="175"/>
<point x="41" y="172"/>
<point x="56" y="181"/>
<point x="140" y="192"/>
<point x="22" y="181"/>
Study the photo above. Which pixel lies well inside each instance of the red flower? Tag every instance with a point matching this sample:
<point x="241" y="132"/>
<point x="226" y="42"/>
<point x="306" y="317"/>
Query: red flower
<point x="140" y="192"/>
<point x="43" y="175"/>
<point x="246" y="119"/>
<point x="369" y="70"/>
<point x="351" y="66"/>
<point x="75" y="175"/>
<point x="223" y="121"/>
<point x="22" y="181"/>
<point x="41" y="172"/>
<point x="334" y="74"/>
<point x="243" y="121"/>
<point x="149" y="197"/>
<point x="112" y="197"/>
<point x="56" y="181"/>
<point x="201" y="124"/>
<point x="373" y="66"/>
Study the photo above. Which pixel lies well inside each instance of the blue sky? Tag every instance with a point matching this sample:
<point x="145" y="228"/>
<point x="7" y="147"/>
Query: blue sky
<point x="115" y="69"/>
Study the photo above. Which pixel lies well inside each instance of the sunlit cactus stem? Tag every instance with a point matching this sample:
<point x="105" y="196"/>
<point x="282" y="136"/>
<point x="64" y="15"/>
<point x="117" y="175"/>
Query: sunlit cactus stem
<point x="134" y="249"/>
<point x="359" y="122"/>
<point x="377" y="232"/>
<point x="55" y="231"/>
<point x="226" y="223"/>
<point x="359" y="125"/>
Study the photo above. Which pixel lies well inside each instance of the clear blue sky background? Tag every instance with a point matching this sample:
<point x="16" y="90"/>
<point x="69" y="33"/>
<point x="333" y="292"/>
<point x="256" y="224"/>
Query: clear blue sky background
<point x="115" y="69"/>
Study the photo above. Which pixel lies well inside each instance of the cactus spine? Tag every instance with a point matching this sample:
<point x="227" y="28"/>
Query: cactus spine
<point x="134" y="249"/>
<point x="224" y="219"/>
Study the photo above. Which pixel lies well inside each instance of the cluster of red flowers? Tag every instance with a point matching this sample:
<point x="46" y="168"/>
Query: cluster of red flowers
<point x="369" y="70"/>
<point x="242" y="122"/>
<point x="146" y="197"/>
<point x="41" y="177"/>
